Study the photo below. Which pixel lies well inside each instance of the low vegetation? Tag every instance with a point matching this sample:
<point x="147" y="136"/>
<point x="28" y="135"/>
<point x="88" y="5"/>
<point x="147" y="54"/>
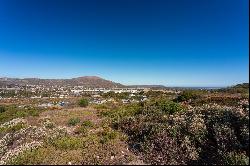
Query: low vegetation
<point x="73" y="121"/>
<point x="83" y="102"/>
<point x="193" y="127"/>
<point x="10" y="112"/>
<point x="164" y="132"/>
<point x="188" y="95"/>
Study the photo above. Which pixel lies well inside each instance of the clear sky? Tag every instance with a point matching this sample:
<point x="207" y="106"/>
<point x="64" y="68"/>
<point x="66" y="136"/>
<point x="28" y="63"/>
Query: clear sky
<point x="168" y="42"/>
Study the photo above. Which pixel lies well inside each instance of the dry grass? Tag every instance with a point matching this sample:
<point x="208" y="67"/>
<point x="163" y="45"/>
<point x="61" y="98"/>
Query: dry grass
<point x="100" y="145"/>
<point x="95" y="144"/>
<point x="61" y="117"/>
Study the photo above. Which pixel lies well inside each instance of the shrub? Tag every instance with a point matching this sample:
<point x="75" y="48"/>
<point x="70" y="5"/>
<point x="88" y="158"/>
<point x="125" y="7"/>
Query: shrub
<point x="21" y="113"/>
<point x="12" y="112"/>
<point x="154" y="94"/>
<point x="67" y="143"/>
<point x="83" y="102"/>
<point x="2" y="109"/>
<point x="33" y="112"/>
<point x="84" y="127"/>
<point x="108" y="135"/>
<point x="165" y="134"/>
<point x="117" y="114"/>
<point x="31" y="157"/>
<point x="48" y="124"/>
<point x="170" y="107"/>
<point x="87" y="123"/>
<point x="17" y="127"/>
<point x="236" y="159"/>
<point x="101" y="106"/>
<point x="187" y="95"/>
<point x="81" y="130"/>
<point x="228" y="101"/>
<point x="73" y="121"/>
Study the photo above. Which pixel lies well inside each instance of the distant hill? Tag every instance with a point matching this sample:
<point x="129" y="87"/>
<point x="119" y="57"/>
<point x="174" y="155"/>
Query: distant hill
<point x="243" y="85"/>
<point x="86" y="81"/>
<point x="239" y="88"/>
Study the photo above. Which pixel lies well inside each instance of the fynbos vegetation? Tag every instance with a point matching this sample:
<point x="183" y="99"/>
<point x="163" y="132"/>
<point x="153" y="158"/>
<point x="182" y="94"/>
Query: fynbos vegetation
<point x="192" y="127"/>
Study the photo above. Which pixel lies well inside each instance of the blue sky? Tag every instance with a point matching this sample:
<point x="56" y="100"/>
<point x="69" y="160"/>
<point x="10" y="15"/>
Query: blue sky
<point x="169" y="42"/>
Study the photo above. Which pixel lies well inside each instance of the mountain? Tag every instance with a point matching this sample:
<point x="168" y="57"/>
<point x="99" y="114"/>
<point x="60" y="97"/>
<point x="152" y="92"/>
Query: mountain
<point x="239" y="88"/>
<point x="86" y="81"/>
<point x="243" y="85"/>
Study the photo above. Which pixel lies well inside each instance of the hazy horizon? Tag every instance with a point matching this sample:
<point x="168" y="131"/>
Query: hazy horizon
<point x="196" y="43"/>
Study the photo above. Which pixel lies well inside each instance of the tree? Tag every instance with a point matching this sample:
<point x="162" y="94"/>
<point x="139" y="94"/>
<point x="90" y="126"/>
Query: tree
<point x="83" y="102"/>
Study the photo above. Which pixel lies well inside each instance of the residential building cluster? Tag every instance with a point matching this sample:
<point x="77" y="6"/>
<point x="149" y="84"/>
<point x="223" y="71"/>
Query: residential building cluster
<point x="95" y="95"/>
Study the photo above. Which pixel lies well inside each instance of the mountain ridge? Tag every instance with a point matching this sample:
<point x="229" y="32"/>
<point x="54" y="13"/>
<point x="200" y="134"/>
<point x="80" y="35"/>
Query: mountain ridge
<point x="86" y="81"/>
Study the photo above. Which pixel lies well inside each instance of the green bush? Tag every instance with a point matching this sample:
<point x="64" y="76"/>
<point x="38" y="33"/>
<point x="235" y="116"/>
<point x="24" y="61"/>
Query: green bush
<point x="87" y="123"/>
<point x="83" y="102"/>
<point x="33" y="112"/>
<point x="84" y="127"/>
<point x="187" y="95"/>
<point x="73" y="121"/>
<point x="12" y="112"/>
<point x="31" y="157"/>
<point x="101" y="106"/>
<point x="82" y="130"/>
<point x="48" y="124"/>
<point x="115" y="115"/>
<point x="169" y="107"/>
<point x="15" y="128"/>
<point x="29" y="112"/>
<point x="108" y="135"/>
<point x="154" y="94"/>
<point x="67" y="143"/>
<point x="236" y="159"/>
<point x="21" y="113"/>
<point x="2" y="109"/>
